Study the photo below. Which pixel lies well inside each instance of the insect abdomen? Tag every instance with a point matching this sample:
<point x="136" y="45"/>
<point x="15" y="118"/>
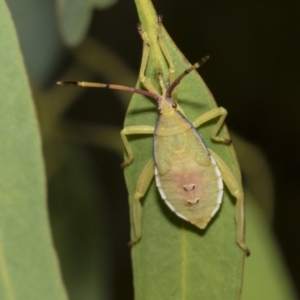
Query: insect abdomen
<point x="188" y="177"/>
<point x="193" y="195"/>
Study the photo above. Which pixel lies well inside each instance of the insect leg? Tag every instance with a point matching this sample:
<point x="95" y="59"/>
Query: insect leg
<point x="133" y="130"/>
<point x="209" y="115"/>
<point x="145" y="57"/>
<point x="136" y="208"/>
<point x="166" y="53"/>
<point x="236" y="190"/>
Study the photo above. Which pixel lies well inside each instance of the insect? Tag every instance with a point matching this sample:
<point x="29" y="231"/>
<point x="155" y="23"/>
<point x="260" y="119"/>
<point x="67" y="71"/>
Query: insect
<point x="188" y="175"/>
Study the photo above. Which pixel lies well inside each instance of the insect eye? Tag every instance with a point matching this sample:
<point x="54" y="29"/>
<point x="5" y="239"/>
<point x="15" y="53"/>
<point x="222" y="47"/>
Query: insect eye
<point x="174" y="104"/>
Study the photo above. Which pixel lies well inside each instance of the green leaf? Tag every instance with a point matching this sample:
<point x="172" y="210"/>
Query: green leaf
<point x="28" y="264"/>
<point x="266" y="277"/>
<point x="174" y="259"/>
<point x="75" y="17"/>
<point x="79" y="220"/>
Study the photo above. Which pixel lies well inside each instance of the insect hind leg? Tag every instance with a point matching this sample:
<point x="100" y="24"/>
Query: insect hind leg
<point x="236" y="190"/>
<point x="142" y="186"/>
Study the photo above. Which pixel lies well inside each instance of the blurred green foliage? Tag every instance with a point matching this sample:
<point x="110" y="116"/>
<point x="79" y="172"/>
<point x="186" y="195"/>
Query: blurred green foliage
<point x="28" y="263"/>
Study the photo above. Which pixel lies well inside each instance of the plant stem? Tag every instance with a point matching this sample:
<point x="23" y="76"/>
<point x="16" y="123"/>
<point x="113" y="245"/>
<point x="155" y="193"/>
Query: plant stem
<point x="149" y="22"/>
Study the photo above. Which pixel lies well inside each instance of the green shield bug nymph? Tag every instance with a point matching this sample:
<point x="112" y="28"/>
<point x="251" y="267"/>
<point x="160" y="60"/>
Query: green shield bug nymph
<point x="188" y="175"/>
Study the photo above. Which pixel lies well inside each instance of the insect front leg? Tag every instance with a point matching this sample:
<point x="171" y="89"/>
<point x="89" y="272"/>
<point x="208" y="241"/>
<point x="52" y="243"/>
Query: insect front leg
<point x="209" y="115"/>
<point x="147" y="83"/>
<point x="236" y="190"/>
<point x="165" y="51"/>
<point x="133" y="130"/>
<point x="142" y="186"/>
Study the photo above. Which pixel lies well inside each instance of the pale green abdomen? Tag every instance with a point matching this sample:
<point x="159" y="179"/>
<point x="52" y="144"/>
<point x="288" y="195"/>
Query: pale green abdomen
<point x="187" y="176"/>
<point x="192" y="191"/>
